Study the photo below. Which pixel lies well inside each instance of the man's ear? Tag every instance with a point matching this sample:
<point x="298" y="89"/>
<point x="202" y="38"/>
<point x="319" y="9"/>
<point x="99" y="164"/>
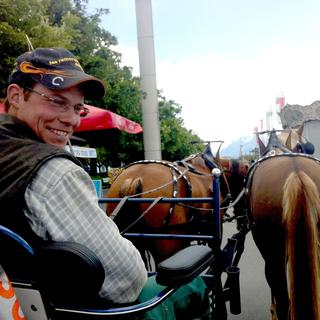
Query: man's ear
<point x="14" y="95"/>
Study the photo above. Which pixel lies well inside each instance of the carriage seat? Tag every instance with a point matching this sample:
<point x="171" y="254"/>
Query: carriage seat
<point x="61" y="280"/>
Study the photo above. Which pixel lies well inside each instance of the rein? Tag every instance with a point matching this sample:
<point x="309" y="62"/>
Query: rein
<point x="142" y="215"/>
<point x="233" y="203"/>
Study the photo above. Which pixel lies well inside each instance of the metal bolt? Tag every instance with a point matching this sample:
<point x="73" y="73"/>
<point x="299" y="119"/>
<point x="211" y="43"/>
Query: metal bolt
<point x="34" y="308"/>
<point x="216" y="172"/>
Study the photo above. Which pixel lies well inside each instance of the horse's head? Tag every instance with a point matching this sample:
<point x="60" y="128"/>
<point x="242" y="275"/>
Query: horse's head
<point x="285" y="142"/>
<point x="296" y="142"/>
<point x="275" y="145"/>
<point x="232" y="180"/>
<point x="203" y="162"/>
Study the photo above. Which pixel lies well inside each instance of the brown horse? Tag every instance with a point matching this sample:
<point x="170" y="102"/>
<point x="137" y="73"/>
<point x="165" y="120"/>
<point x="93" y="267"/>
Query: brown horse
<point x="284" y="210"/>
<point x="190" y="177"/>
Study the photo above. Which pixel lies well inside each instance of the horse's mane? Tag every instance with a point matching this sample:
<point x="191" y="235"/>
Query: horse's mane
<point x="196" y="160"/>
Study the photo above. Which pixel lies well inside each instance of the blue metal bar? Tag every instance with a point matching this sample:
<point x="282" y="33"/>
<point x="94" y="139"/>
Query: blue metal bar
<point x="217" y="232"/>
<point x="17" y="238"/>
<point x="163" y="200"/>
<point x="117" y="311"/>
<point x="216" y="205"/>
<point x="169" y="236"/>
<point x="203" y="275"/>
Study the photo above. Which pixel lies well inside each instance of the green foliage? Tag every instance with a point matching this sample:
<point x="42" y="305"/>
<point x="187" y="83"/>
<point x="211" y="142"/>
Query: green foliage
<point x="57" y="10"/>
<point x="176" y="140"/>
<point x="66" y="23"/>
<point x="19" y="18"/>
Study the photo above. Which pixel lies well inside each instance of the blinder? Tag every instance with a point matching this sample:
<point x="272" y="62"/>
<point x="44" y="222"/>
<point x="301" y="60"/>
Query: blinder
<point x="307" y="148"/>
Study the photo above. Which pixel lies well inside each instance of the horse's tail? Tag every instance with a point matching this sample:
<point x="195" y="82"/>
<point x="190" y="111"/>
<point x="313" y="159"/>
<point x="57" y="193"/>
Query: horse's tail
<point x="126" y="188"/>
<point x="126" y="212"/>
<point x="131" y="186"/>
<point x="301" y="215"/>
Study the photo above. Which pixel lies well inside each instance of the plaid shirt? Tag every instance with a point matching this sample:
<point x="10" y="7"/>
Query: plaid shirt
<point x="62" y="205"/>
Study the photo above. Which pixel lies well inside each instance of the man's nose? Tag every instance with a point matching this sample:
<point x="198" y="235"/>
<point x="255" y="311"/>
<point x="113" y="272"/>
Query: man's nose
<point x="70" y="117"/>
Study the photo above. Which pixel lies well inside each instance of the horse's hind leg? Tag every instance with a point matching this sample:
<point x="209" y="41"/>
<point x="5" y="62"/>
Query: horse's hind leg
<point x="272" y="250"/>
<point x="276" y="278"/>
<point x="273" y="309"/>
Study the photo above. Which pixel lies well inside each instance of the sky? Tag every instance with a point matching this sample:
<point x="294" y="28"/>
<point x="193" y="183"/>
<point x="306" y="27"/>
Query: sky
<point x="226" y="62"/>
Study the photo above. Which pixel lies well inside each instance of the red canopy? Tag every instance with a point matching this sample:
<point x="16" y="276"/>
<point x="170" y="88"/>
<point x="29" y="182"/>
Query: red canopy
<point x="101" y="119"/>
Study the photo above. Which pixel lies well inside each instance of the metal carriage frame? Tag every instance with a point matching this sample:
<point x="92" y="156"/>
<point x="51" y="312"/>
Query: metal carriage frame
<point x="225" y="260"/>
<point x="32" y="266"/>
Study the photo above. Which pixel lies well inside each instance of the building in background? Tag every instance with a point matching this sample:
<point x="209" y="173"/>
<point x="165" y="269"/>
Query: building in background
<point x="293" y="116"/>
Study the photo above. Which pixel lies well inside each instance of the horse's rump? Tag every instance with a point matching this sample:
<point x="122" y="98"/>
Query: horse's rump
<point x="284" y="205"/>
<point x="153" y="180"/>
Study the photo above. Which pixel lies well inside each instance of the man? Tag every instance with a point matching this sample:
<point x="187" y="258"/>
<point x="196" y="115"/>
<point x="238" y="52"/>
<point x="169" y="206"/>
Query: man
<point x="53" y="197"/>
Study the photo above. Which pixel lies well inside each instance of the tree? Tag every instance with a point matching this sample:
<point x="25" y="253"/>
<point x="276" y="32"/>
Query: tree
<point x="66" y="23"/>
<point x="19" y="18"/>
<point x="176" y="140"/>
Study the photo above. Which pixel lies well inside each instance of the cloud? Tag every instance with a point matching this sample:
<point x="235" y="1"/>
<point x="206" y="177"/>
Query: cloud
<point x="224" y="98"/>
<point x="130" y="57"/>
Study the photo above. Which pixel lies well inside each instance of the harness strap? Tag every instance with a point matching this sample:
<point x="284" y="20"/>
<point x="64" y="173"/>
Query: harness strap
<point x="156" y="200"/>
<point x="232" y="204"/>
<point x="228" y="195"/>
<point x="174" y="195"/>
<point x="174" y="170"/>
<point x="118" y="207"/>
<point x="209" y="161"/>
<point x="176" y="173"/>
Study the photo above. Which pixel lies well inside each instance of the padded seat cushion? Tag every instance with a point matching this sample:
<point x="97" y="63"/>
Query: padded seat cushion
<point x="61" y="270"/>
<point x="184" y="265"/>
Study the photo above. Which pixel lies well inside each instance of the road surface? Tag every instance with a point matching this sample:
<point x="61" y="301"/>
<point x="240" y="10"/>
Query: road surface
<point x="255" y="293"/>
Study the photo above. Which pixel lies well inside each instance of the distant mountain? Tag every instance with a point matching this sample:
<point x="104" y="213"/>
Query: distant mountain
<point x="233" y="149"/>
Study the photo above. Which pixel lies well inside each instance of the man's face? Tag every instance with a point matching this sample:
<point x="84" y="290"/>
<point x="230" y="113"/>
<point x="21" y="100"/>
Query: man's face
<point x="51" y="124"/>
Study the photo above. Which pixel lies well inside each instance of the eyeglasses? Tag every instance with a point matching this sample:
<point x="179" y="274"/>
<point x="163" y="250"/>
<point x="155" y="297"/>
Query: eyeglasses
<point x="62" y="105"/>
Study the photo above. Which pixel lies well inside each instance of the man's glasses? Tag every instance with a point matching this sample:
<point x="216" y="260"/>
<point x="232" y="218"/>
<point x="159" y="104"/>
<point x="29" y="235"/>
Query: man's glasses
<point x="62" y="105"/>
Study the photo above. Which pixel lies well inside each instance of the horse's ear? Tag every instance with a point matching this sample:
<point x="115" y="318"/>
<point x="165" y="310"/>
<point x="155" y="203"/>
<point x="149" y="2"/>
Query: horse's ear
<point x="300" y="131"/>
<point x="288" y="143"/>
<point x="208" y="151"/>
<point x="218" y="153"/>
<point x="262" y="147"/>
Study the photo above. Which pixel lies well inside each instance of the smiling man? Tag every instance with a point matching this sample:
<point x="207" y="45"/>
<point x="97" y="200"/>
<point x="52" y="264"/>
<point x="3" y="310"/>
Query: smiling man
<point x="53" y="116"/>
<point x="46" y="195"/>
<point x="45" y="191"/>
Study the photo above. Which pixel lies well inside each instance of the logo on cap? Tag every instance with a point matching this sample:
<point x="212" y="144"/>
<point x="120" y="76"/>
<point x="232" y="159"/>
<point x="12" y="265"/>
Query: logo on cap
<point x="55" y="79"/>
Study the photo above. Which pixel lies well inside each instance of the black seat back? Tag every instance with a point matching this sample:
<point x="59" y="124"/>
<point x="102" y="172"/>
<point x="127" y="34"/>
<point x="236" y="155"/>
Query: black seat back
<point x="63" y="271"/>
<point x="17" y="256"/>
<point x="69" y="271"/>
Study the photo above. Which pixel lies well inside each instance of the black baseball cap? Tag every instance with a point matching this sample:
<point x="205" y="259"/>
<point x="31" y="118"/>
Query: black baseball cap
<point x="56" y="69"/>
